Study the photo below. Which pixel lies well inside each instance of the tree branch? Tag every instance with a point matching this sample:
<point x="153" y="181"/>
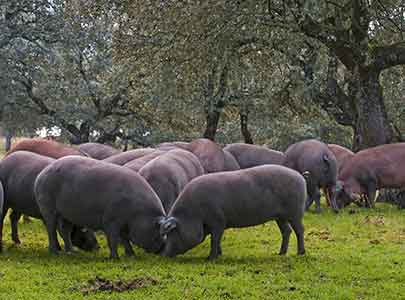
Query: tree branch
<point x="388" y="56"/>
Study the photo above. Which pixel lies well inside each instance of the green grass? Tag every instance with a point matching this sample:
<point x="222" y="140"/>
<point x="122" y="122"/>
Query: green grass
<point x="349" y="256"/>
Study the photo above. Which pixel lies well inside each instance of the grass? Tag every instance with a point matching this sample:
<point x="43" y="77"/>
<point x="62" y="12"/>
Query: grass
<point x="358" y="254"/>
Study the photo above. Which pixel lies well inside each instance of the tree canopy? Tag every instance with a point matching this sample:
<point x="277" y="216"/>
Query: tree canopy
<point x="256" y="71"/>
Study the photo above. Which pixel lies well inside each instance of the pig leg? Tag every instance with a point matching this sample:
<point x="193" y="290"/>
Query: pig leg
<point x="309" y="202"/>
<point x="5" y="209"/>
<point x="298" y="228"/>
<point x="285" y="230"/>
<point x="112" y="232"/>
<point x="216" y="236"/>
<point x="65" y="230"/>
<point x="127" y="244"/>
<point x="14" y="218"/>
<point x="317" y="199"/>
<point x="371" y="193"/>
<point x="326" y="192"/>
<point x="50" y="221"/>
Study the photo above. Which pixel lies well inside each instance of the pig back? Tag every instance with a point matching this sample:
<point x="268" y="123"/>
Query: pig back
<point x="246" y="197"/>
<point x="87" y="192"/>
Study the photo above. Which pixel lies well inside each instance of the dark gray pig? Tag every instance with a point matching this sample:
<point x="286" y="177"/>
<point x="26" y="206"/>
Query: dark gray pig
<point x="211" y="156"/>
<point x="97" y="150"/>
<point x="211" y="203"/>
<point x="124" y="157"/>
<point x="248" y="155"/>
<point x="317" y="163"/>
<point x="169" y="173"/>
<point x="101" y="196"/>
<point x="137" y="164"/>
<point x="18" y="173"/>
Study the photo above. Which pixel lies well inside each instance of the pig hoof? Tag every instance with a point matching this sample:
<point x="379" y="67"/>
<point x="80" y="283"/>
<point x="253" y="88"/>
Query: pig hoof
<point x="17" y="241"/>
<point x="71" y="251"/>
<point x="301" y="252"/>
<point x="282" y="253"/>
<point x="53" y="252"/>
<point x="114" y="257"/>
<point x="212" y="257"/>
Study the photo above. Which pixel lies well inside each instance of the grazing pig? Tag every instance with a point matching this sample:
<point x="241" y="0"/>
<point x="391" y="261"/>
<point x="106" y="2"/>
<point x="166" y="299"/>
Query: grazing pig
<point x="317" y="163"/>
<point x="211" y="203"/>
<point x="18" y="172"/>
<point x="46" y="148"/>
<point x="248" y="155"/>
<point x="97" y="150"/>
<point x="371" y="169"/>
<point x="211" y="156"/>
<point x="230" y="162"/>
<point x="101" y="196"/>
<point x="169" y="173"/>
<point x="124" y="157"/>
<point x="137" y="164"/>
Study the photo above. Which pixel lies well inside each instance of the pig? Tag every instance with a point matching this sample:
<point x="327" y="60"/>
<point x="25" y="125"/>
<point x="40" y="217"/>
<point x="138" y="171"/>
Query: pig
<point x="341" y="154"/>
<point x="372" y="169"/>
<point x="125" y="157"/>
<point x="100" y="196"/>
<point x="46" y="148"/>
<point x="317" y="163"/>
<point x="18" y="172"/>
<point x="172" y="145"/>
<point x="97" y="150"/>
<point x="211" y="156"/>
<point x="230" y="162"/>
<point x="137" y="164"/>
<point x="211" y="203"/>
<point x="170" y="172"/>
<point x="248" y="155"/>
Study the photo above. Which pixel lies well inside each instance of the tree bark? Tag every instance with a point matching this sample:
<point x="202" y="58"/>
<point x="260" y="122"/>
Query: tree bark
<point x="8" y="136"/>
<point x="212" y="124"/>
<point x="351" y="46"/>
<point x="244" y="128"/>
<point x="372" y="126"/>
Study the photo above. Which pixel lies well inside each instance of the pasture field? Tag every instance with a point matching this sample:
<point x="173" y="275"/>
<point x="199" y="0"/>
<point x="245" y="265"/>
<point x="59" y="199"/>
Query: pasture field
<point x="357" y="254"/>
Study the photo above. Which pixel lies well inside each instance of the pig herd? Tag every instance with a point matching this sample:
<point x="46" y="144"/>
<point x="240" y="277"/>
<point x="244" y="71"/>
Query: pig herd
<point x="168" y="198"/>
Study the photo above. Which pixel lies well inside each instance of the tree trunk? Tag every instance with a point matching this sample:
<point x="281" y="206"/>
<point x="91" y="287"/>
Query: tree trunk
<point x="212" y="124"/>
<point x="372" y="126"/>
<point x="8" y="136"/>
<point x="244" y="128"/>
<point x="78" y="135"/>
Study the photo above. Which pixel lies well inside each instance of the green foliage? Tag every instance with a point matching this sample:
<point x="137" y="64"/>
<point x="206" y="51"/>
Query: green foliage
<point x="349" y="256"/>
<point x="130" y="68"/>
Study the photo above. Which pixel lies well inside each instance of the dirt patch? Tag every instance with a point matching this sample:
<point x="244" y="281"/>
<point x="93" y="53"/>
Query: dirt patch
<point x="321" y="234"/>
<point x="378" y="220"/>
<point x="100" y="284"/>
